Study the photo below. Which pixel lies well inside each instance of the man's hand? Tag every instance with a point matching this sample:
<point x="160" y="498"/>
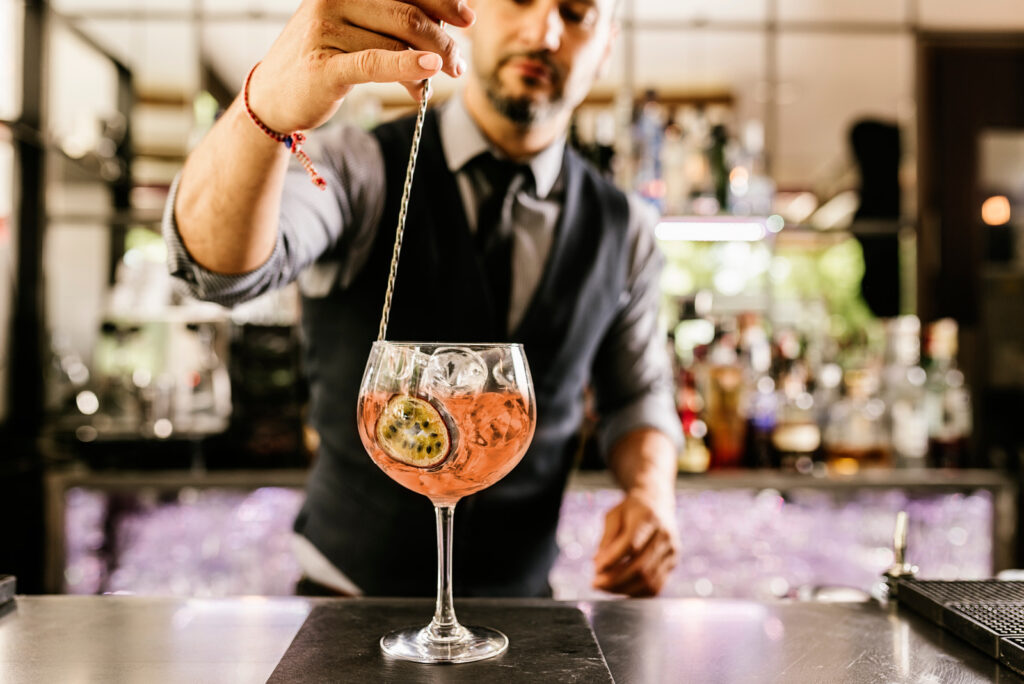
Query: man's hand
<point x="229" y="198"/>
<point x="641" y="541"/>
<point x="639" y="549"/>
<point x="328" y="46"/>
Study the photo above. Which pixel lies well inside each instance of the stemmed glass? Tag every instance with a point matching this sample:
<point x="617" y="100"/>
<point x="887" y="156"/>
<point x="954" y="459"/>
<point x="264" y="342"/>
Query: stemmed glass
<point x="446" y="420"/>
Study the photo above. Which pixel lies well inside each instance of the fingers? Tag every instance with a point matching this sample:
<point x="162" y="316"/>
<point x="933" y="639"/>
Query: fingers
<point x="644" y="573"/>
<point x="349" y="38"/>
<point x="456" y="13"/>
<point x="632" y="533"/>
<point x="638" y="550"/>
<point x="415" y="88"/>
<point x="383" y="66"/>
<point x="606" y="550"/>
<point x="406" y="23"/>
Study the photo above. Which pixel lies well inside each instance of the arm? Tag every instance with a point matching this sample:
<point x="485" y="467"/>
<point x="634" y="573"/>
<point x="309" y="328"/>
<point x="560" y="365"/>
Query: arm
<point x="639" y="431"/>
<point x="229" y="194"/>
<point x="332" y="231"/>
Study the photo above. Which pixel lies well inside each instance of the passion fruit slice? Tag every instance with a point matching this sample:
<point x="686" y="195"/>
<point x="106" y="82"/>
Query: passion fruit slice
<point x="412" y="431"/>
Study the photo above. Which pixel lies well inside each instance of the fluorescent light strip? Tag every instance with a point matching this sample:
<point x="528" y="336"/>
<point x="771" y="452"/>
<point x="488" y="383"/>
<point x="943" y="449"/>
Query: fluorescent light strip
<point x="710" y="231"/>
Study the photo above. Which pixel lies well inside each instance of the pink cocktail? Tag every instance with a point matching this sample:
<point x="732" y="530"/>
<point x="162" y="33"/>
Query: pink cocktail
<point x="446" y="421"/>
<point x="494" y="429"/>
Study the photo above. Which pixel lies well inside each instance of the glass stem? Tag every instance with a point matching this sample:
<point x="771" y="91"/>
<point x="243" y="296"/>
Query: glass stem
<point x="444" y="626"/>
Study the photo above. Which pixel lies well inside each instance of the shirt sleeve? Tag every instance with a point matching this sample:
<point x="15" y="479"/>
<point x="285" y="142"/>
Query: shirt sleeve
<point x="323" y="235"/>
<point x="632" y="376"/>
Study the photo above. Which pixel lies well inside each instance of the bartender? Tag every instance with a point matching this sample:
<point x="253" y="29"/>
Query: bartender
<point x="559" y="260"/>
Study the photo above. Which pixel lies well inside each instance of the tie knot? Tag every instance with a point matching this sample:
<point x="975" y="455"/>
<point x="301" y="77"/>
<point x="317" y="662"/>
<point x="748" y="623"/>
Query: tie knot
<point x="499" y="173"/>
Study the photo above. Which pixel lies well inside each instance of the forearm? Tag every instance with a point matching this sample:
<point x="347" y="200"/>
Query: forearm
<point x="229" y="195"/>
<point x="643" y="462"/>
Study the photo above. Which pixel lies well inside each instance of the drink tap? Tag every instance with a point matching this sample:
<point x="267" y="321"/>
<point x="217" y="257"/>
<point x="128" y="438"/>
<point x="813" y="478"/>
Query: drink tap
<point x="900" y="568"/>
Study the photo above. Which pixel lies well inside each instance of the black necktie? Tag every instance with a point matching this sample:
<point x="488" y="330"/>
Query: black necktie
<point x="493" y="239"/>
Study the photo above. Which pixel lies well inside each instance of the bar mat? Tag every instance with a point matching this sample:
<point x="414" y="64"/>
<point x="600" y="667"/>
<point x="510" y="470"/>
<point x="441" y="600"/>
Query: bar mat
<point x="340" y="641"/>
<point x="984" y="624"/>
<point x="988" y="614"/>
<point x="930" y="597"/>
<point x="1011" y="653"/>
<point x="7" y="585"/>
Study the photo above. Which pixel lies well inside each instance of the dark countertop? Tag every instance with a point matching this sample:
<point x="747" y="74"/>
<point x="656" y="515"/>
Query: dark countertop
<point x="157" y="640"/>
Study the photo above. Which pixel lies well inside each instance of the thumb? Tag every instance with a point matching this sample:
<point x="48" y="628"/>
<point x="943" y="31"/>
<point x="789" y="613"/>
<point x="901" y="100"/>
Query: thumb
<point x="385" y="66"/>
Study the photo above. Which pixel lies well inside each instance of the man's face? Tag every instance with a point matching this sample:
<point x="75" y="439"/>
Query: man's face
<point x="535" y="59"/>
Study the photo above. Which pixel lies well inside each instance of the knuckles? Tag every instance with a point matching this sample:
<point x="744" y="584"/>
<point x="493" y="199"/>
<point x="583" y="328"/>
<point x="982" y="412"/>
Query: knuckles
<point x="366" y="62"/>
<point x="410" y="17"/>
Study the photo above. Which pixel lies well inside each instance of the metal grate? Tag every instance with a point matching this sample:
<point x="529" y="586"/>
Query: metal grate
<point x="983" y="624"/>
<point x="974" y="591"/>
<point x="929" y="597"/>
<point x="1001" y="618"/>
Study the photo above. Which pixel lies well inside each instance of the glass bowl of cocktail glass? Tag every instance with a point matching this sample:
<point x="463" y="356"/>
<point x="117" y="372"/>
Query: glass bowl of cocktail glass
<point x="446" y="420"/>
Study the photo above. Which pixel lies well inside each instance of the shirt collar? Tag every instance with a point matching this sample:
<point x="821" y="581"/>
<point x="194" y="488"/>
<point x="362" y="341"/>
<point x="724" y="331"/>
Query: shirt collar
<point x="462" y="140"/>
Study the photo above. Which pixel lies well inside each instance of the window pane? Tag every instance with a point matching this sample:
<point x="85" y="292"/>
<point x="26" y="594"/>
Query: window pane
<point x="842" y="10"/>
<point x="82" y="92"/>
<point x="162" y="55"/>
<point x="826" y="83"/>
<point x="703" y="61"/>
<point x="734" y="10"/>
<point x="75" y="266"/>
<point x="282" y="7"/>
<point x="11" y="18"/>
<point x="108" y="6"/>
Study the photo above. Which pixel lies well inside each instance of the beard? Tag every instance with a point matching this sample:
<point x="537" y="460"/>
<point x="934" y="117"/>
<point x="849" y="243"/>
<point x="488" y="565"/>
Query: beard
<point x="526" y="110"/>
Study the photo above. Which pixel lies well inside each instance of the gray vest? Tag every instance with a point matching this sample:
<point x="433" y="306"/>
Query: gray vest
<point x="380" y="534"/>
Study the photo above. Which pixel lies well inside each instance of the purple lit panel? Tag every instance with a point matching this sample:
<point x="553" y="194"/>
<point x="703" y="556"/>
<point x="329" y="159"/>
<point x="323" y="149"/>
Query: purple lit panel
<point x="750" y="544"/>
<point x="736" y="543"/>
<point x="198" y="542"/>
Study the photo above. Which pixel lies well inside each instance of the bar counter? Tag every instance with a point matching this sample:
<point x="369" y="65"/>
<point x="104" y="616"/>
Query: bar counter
<point x="163" y="640"/>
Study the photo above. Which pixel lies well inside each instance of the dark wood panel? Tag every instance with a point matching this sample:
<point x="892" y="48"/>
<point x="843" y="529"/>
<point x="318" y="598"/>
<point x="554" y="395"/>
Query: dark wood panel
<point x="967" y="84"/>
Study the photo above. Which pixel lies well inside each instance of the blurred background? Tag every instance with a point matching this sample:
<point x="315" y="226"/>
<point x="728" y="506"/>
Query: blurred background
<point x="841" y="186"/>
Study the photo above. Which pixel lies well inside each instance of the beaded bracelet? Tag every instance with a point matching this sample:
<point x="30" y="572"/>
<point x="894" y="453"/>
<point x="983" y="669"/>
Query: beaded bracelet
<point x="293" y="141"/>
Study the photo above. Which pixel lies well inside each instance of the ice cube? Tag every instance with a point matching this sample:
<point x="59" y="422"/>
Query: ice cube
<point x="497" y="424"/>
<point x="396" y="362"/>
<point x="456" y="370"/>
<point x="399" y="364"/>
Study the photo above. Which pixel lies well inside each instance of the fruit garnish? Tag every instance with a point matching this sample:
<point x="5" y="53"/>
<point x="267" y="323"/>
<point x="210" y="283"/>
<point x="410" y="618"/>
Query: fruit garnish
<point x="412" y="431"/>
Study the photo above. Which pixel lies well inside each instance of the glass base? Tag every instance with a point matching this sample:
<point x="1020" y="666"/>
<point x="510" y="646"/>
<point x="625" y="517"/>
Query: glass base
<point x="470" y="644"/>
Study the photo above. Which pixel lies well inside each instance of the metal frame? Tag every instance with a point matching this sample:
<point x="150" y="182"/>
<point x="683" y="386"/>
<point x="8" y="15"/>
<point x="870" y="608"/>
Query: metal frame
<point x="1002" y="488"/>
<point x="25" y="390"/>
<point x="21" y="460"/>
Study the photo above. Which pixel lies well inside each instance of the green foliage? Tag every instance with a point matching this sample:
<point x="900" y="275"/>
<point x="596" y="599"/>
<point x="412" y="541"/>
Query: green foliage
<point x="798" y="272"/>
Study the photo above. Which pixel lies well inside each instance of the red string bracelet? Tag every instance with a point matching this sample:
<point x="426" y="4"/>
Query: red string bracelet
<point x="293" y="141"/>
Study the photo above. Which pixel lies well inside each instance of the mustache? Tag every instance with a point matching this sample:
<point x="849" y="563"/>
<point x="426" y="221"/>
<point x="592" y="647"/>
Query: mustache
<point x="542" y="56"/>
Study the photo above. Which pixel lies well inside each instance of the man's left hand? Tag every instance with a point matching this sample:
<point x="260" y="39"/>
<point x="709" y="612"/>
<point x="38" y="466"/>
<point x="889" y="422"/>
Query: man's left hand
<point x="639" y="549"/>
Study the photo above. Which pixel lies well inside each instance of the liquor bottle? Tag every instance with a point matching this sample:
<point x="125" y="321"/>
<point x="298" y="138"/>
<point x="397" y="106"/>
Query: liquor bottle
<point x="725" y="401"/>
<point x="904" y="391"/>
<point x="694" y="457"/>
<point x="948" y="401"/>
<point x="755" y="354"/>
<point x="856" y="436"/>
<point x="648" y="139"/>
<point x="717" y="165"/>
<point x="796" y="438"/>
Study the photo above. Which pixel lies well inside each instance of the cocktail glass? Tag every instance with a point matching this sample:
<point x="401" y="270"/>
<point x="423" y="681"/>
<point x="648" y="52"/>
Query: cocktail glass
<point x="446" y="420"/>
